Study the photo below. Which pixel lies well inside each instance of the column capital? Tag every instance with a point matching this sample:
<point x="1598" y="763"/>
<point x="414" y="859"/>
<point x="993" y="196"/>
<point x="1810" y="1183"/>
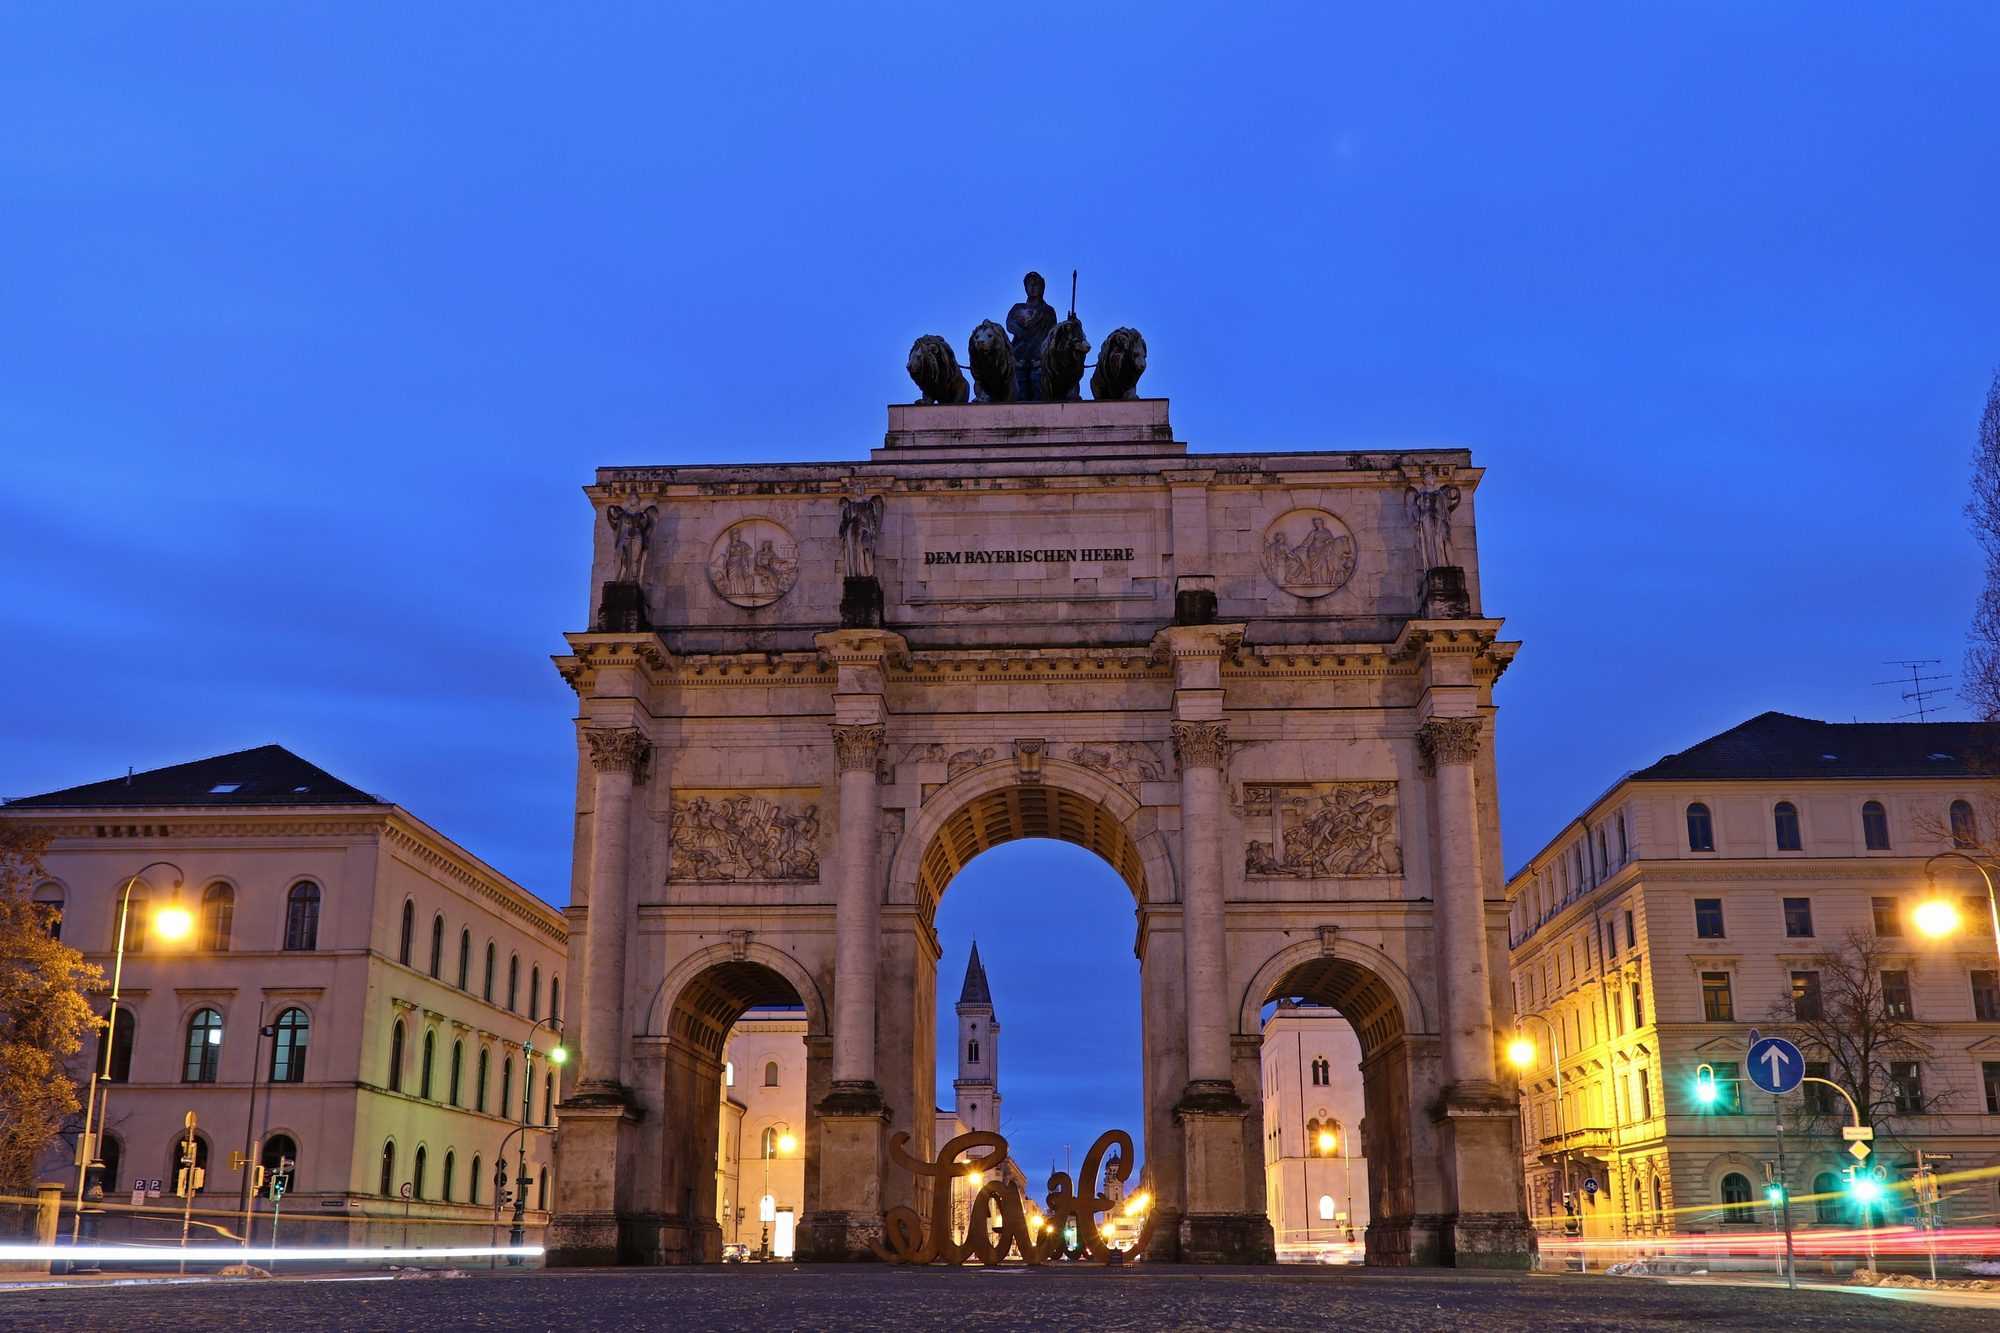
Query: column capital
<point x="1201" y="744"/>
<point x="1449" y="740"/>
<point x="858" y="747"/>
<point x="617" y="749"/>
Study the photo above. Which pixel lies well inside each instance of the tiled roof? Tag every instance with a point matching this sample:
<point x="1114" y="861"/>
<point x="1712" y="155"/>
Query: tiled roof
<point x="267" y="775"/>
<point x="1780" y="746"/>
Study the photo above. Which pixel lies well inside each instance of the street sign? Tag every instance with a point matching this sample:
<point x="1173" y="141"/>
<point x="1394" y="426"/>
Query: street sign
<point x="1775" y="1065"/>
<point x="1590" y="1184"/>
<point x="1879" y="1171"/>
<point x="1860" y="1151"/>
<point x="1858" y="1133"/>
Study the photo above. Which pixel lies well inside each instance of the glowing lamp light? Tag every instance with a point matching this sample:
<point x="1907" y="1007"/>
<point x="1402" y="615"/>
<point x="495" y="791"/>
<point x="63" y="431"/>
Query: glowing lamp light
<point x="173" y="922"/>
<point x="787" y="1143"/>
<point x="1521" y="1053"/>
<point x="1936" y="918"/>
<point x="1704" y="1086"/>
<point x="559" y="1056"/>
<point x="1138" y="1203"/>
<point x="1865" y="1189"/>
<point x="1326" y="1141"/>
<point x="977" y="1178"/>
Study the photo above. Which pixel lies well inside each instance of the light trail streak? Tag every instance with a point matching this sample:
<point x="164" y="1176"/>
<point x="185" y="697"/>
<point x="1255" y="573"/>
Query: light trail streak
<point x="239" y="1254"/>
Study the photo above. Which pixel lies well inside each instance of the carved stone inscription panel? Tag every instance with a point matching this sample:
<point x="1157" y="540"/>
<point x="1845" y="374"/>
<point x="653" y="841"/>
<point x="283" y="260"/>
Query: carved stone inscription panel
<point x="1321" y="829"/>
<point x="722" y="836"/>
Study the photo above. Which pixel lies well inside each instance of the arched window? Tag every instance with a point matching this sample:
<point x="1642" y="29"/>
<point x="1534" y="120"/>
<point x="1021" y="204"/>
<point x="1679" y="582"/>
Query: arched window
<point x="506" y="1085"/>
<point x="535" y="992"/>
<point x="542" y="1190"/>
<point x="1785" y="823"/>
<point x="1964" y="827"/>
<point x="555" y="997"/>
<point x="1326" y="1207"/>
<point x="218" y="913"/>
<point x="388" y="1181"/>
<point x="288" y="1047"/>
<point x="1701" y="829"/>
<point x="1624" y="847"/>
<point x="409" y="932"/>
<point x="450" y="1169"/>
<point x="437" y="946"/>
<point x="1875" y="827"/>
<point x="1322" y="1072"/>
<point x="302" y="918"/>
<point x="1659" y="1196"/>
<point x="204" y="1047"/>
<point x="457" y="1069"/>
<point x="49" y="897"/>
<point x="972" y="1051"/>
<point x="1826" y="1199"/>
<point x="472" y="1181"/>
<point x="396" y="1058"/>
<point x="489" y="971"/>
<point x="513" y="983"/>
<point x="479" y="1083"/>
<point x="771" y="1073"/>
<point x="1736" y="1197"/>
<point x="430" y="1060"/>
<point x="464" y="959"/>
<point x="120" y="1033"/>
<point x="135" y="916"/>
<point x="277" y="1150"/>
<point x="417" y="1167"/>
<point x="549" y="1097"/>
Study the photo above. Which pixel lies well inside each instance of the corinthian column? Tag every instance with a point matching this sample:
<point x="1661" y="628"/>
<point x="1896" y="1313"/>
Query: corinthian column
<point x="617" y="754"/>
<point x="857" y="906"/>
<point x="1201" y="749"/>
<point x="1458" y="900"/>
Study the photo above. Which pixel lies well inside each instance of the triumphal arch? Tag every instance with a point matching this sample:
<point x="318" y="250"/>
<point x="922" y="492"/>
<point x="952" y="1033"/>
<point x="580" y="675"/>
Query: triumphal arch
<point x="1258" y="685"/>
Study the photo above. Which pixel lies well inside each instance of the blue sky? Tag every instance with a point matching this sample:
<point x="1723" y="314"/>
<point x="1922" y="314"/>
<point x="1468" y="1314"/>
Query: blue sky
<point x="316" y="319"/>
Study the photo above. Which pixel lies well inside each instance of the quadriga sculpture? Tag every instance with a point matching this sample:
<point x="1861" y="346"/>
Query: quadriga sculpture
<point x="1120" y="363"/>
<point x="1063" y="356"/>
<point x="935" y="369"/>
<point x="992" y="364"/>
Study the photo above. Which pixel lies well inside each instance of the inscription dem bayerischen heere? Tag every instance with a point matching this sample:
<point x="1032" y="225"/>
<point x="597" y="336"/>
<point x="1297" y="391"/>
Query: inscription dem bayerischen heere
<point x="1060" y="555"/>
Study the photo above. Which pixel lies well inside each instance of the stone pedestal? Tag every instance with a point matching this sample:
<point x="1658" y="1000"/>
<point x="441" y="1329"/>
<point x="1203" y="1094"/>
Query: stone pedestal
<point x="623" y="610"/>
<point x="1219" y="1227"/>
<point x="853" y="1150"/>
<point x="861" y="603"/>
<point x="1488" y="1226"/>
<point x="594" y="1161"/>
<point x="1444" y="594"/>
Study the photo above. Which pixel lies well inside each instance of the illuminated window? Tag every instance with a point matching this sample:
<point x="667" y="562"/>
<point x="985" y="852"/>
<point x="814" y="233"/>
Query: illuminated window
<point x="204" y="1047"/>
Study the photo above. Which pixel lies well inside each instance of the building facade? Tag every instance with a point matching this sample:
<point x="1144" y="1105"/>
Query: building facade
<point x="1315" y="1134"/>
<point x="358" y="995"/>
<point x="1759" y="880"/>
<point x="1258" y="685"/>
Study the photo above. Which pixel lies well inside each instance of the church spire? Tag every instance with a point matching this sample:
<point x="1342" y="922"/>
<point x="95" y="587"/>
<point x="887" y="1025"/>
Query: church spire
<point x="974" y="990"/>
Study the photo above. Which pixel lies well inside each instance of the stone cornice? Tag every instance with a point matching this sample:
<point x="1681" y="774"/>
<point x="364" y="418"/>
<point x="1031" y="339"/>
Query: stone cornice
<point x="519" y="903"/>
<point x="592" y="653"/>
<point x="185" y="824"/>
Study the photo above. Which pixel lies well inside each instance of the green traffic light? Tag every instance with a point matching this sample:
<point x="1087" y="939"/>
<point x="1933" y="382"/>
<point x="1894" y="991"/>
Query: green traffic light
<point x="1704" y="1086"/>
<point x="1866" y="1189"/>
<point x="1775" y="1193"/>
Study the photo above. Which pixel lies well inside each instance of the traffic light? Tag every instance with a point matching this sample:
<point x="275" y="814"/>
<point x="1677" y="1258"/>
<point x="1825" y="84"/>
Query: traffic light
<point x="1704" y="1085"/>
<point x="190" y="1180"/>
<point x="1775" y="1194"/>
<point x="257" y="1176"/>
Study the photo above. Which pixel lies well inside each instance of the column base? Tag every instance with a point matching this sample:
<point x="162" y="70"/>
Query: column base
<point x="1479" y="1145"/>
<point x="829" y="1237"/>
<point x="1227" y="1238"/>
<point x="1404" y="1242"/>
<point x="594" y="1154"/>
<point x="1502" y="1241"/>
<point x="853" y="1149"/>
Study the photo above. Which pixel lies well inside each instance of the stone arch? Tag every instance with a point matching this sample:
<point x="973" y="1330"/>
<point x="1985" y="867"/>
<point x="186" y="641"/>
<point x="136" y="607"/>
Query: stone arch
<point x="1385" y="1011"/>
<point x="991" y="805"/>
<point x="690" y="969"/>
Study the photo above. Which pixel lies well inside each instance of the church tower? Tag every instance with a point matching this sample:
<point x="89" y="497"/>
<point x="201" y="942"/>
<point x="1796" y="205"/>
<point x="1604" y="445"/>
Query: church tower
<point x="978" y="1083"/>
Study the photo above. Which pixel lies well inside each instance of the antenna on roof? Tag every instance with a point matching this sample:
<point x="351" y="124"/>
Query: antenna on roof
<point x="128" y="775"/>
<point x="1921" y="688"/>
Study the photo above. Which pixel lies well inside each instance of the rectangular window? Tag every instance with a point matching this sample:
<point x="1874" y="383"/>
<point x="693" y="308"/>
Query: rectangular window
<point x="1989" y="1074"/>
<point x="1906" y="1087"/>
<point x="1708" y="918"/>
<point x="1888" y="915"/>
<point x="1638" y="1007"/>
<point x="1986" y="996"/>
<point x="1716" y="1005"/>
<point x="1798" y="918"/>
<point x="1631" y="932"/>
<point x="1819" y="1099"/>
<point x="1896" y="995"/>
<point x="1806" y="1005"/>
<point x="1645" y="1096"/>
<point x="1728" y="1089"/>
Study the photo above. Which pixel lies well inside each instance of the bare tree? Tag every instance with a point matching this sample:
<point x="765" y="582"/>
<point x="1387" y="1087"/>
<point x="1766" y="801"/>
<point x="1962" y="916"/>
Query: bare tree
<point x="1859" y="1025"/>
<point x="1981" y="685"/>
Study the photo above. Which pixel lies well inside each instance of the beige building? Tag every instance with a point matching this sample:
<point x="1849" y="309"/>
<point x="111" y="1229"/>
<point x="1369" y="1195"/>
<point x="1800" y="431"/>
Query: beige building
<point x="1315" y="1149"/>
<point x="1702" y="897"/>
<point x="358" y="994"/>
<point x="1258" y="685"/>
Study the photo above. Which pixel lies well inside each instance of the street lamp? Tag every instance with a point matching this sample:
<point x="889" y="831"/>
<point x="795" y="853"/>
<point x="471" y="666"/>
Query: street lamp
<point x="782" y="1144"/>
<point x="170" y="923"/>
<point x="558" y="1055"/>
<point x="1940" y="916"/>
<point x="1521" y="1054"/>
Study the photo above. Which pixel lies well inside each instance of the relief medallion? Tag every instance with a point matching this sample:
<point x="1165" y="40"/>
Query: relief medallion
<point x="1309" y="553"/>
<point x="753" y="563"/>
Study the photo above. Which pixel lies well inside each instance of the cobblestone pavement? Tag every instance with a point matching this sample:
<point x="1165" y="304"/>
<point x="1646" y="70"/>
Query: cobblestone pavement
<point x="903" y="1300"/>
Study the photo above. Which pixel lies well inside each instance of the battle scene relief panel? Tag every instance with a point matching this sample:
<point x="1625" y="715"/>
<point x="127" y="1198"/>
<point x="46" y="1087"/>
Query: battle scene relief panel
<point x="722" y="836"/>
<point x="1321" y="829"/>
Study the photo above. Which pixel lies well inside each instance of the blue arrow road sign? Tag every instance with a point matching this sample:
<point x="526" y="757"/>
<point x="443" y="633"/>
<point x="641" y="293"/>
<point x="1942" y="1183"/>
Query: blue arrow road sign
<point x="1590" y="1184"/>
<point x="1775" y="1064"/>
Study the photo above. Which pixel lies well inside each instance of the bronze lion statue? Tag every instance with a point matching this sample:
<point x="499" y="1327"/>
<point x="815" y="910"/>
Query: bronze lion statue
<point x="992" y="364"/>
<point x="935" y="369"/>
<point x="1119" y="365"/>
<point x="1063" y="356"/>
